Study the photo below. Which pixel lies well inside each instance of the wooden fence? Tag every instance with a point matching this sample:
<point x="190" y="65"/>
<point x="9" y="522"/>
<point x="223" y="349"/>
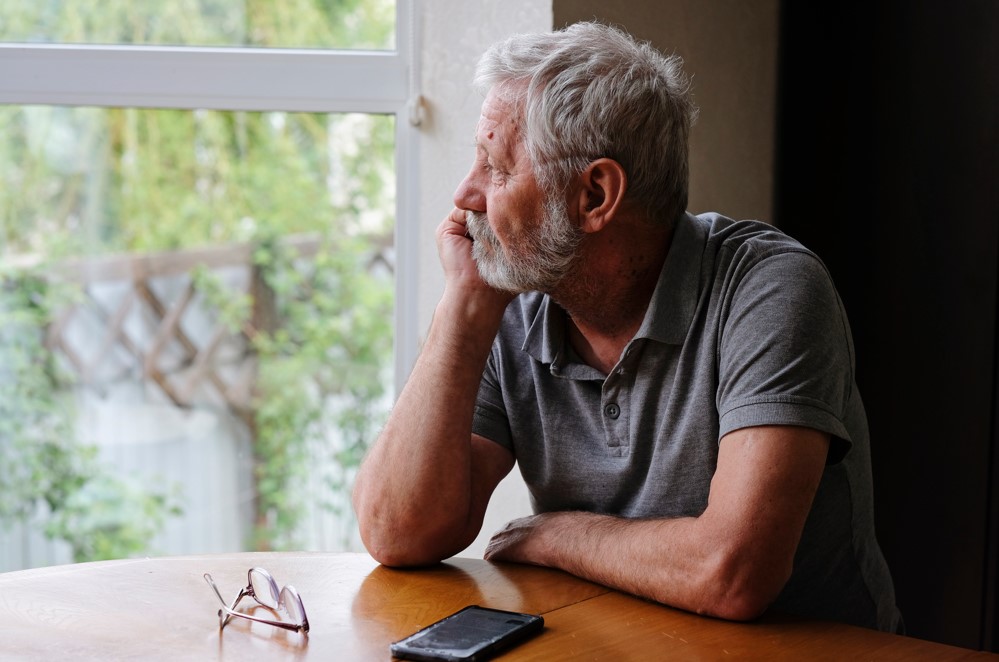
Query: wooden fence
<point x="179" y="363"/>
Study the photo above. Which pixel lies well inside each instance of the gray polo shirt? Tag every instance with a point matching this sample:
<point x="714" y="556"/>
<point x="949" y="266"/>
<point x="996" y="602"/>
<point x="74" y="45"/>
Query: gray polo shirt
<point x="744" y="328"/>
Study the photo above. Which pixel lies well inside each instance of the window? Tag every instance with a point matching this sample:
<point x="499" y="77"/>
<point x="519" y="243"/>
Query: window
<point x="205" y="256"/>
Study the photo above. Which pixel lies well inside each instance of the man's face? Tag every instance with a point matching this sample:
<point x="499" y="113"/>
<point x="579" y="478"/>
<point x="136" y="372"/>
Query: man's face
<point x="523" y="239"/>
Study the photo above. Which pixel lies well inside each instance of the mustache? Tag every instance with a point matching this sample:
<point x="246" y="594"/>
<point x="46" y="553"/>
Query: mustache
<point x="473" y="224"/>
<point x="477" y="228"/>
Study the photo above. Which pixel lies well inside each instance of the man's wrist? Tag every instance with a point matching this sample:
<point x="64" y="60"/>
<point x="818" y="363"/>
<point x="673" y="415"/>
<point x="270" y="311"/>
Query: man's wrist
<point x="556" y="534"/>
<point x="475" y="312"/>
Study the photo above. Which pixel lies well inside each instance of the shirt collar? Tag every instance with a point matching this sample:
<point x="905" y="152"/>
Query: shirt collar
<point x="670" y="311"/>
<point x="674" y="300"/>
<point x="545" y="340"/>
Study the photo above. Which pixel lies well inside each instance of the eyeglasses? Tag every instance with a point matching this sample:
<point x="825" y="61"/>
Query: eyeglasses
<point x="261" y="587"/>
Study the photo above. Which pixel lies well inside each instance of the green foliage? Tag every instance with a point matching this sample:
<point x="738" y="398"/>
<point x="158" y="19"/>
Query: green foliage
<point x="323" y="368"/>
<point x="110" y="518"/>
<point x="262" y="23"/>
<point x="100" y="515"/>
<point x="165" y="179"/>
<point x="233" y="309"/>
<point x="41" y="461"/>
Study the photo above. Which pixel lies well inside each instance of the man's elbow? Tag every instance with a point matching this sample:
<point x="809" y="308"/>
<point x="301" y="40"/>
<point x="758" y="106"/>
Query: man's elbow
<point x="395" y="549"/>
<point x="390" y="543"/>
<point x="741" y="605"/>
<point x="738" y="590"/>
<point x="403" y="540"/>
<point x="395" y="556"/>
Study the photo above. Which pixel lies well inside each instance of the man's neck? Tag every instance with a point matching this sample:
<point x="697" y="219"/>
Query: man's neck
<point x="608" y="295"/>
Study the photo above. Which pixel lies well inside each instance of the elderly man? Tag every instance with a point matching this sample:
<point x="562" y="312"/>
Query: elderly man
<point x="677" y="390"/>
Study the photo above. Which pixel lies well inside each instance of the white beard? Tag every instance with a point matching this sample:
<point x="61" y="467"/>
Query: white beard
<point x="549" y="253"/>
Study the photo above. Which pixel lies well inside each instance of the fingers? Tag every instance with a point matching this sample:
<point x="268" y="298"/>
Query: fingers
<point x="453" y="231"/>
<point x="498" y="548"/>
<point x="512" y="542"/>
<point x="453" y="223"/>
<point x="455" y="250"/>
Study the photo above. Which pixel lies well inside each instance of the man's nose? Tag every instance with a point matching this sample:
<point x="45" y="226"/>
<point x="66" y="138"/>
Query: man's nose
<point x="469" y="194"/>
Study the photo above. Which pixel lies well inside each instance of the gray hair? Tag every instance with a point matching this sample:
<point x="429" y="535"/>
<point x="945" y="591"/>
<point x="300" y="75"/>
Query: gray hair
<point x="591" y="91"/>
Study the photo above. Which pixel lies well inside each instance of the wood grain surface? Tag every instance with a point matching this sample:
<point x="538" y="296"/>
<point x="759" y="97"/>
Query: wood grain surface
<point x="148" y="609"/>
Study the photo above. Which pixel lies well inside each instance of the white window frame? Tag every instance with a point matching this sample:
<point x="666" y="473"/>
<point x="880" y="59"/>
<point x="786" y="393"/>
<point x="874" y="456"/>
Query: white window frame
<point x="251" y="79"/>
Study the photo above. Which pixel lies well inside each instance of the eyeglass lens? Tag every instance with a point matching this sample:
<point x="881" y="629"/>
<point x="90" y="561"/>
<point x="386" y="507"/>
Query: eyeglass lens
<point x="264" y="588"/>
<point x="293" y="604"/>
<point x="265" y="591"/>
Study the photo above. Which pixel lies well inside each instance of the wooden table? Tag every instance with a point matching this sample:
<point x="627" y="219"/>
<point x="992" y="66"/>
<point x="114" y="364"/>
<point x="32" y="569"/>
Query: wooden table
<point x="161" y="608"/>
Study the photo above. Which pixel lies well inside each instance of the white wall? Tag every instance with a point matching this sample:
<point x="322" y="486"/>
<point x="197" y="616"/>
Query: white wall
<point x="454" y="33"/>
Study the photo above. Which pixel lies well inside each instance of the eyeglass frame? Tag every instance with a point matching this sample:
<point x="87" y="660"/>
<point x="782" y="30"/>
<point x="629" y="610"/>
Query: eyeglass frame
<point x="227" y="611"/>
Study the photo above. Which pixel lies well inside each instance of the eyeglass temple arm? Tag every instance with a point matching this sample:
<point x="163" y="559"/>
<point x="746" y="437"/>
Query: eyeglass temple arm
<point x="228" y="608"/>
<point x="304" y="627"/>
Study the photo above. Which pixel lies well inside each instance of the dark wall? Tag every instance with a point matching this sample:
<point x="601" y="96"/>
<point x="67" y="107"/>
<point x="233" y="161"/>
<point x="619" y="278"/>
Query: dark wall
<point x="888" y="167"/>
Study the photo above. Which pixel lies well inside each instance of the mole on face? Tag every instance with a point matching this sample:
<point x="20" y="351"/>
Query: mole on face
<point x="490" y="135"/>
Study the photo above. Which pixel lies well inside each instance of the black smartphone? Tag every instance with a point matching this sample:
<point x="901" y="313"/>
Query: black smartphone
<point x="473" y="633"/>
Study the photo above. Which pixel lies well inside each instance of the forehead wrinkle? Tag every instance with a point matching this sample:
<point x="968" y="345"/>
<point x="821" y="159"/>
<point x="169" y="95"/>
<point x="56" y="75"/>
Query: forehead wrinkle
<point x="498" y="131"/>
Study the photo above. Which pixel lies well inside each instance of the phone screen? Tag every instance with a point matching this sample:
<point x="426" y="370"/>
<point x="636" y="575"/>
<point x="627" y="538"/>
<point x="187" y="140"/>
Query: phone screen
<point x="474" y="633"/>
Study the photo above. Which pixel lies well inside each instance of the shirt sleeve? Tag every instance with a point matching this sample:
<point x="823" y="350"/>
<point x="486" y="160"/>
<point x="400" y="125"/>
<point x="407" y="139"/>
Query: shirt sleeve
<point x="785" y="352"/>
<point x="489" y="418"/>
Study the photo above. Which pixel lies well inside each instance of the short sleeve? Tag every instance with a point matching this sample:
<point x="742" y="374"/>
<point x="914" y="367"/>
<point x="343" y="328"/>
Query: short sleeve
<point x="490" y="419"/>
<point x="785" y="355"/>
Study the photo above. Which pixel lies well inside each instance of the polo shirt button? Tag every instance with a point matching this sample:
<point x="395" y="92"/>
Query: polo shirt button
<point x="612" y="410"/>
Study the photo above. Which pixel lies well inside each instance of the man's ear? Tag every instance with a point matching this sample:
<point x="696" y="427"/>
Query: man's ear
<point x="601" y="194"/>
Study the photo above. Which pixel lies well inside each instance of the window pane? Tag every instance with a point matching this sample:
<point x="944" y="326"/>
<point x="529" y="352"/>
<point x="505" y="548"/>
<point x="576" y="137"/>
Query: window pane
<point x="195" y="328"/>
<point x="343" y="24"/>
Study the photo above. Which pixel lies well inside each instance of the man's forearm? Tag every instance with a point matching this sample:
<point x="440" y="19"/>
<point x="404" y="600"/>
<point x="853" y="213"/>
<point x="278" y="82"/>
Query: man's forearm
<point x="666" y="560"/>
<point x="414" y="495"/>
<point x="731" y="561"/>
